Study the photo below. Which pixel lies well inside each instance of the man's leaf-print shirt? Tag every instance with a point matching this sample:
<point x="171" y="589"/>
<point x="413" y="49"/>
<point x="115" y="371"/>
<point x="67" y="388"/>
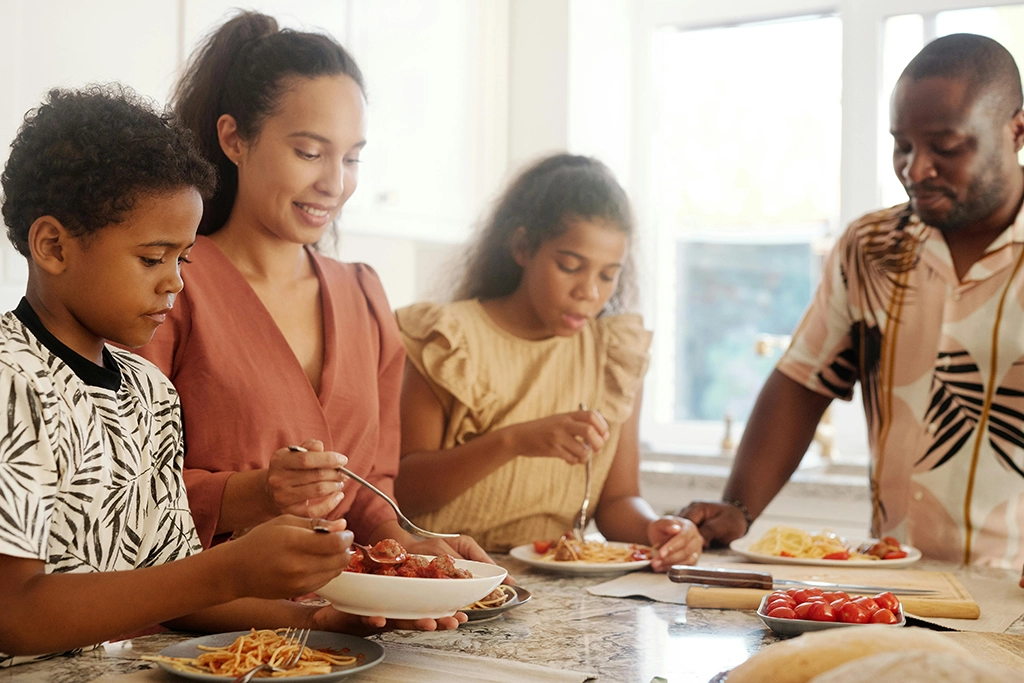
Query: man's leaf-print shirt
<point x="941" y="367"/>
<point x="90" y="457"/>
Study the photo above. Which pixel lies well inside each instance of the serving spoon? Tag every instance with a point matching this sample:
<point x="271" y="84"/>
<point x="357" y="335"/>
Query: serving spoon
<point x="381" y="559"/>
<point x="403" y="521"/>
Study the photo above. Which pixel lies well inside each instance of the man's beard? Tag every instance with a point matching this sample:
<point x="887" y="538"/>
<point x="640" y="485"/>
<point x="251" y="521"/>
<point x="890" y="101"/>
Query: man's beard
<point x="984" y="197"/>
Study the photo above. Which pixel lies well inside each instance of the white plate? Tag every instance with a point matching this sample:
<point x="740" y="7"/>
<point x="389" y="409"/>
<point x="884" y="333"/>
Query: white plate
<point x="526" y="554"/>
<point x="794" y="627"/>
<point x="740" y="546"/>
<point x="403" y="597"/>
<point x="371" y="652"/>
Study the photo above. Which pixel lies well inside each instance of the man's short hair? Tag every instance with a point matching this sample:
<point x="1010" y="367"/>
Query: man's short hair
<point x="981" y="61"/>
<point x="85" y="157"/>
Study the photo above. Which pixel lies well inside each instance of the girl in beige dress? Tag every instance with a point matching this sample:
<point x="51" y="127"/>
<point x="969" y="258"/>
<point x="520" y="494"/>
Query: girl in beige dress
<point x="532" y="371"/>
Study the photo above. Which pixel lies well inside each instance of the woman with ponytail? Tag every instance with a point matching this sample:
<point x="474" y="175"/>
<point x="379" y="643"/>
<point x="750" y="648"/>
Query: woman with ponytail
<point x="272" y="344"/>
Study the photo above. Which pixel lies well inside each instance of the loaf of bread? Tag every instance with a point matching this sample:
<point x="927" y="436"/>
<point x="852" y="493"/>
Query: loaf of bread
<point x="800" y="659"/>
<point x="934" y="667"/>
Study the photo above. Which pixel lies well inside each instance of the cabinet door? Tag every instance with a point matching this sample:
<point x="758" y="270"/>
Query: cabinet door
<point x="436" y="79"/>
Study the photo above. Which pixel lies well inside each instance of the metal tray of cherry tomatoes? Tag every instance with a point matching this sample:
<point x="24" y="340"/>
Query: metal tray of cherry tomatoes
<point x="817" y="619"/>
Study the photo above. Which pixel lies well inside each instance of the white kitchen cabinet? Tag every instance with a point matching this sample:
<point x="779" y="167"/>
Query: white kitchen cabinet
<point x="69" y="43"/>
<point x="436" y="80"/>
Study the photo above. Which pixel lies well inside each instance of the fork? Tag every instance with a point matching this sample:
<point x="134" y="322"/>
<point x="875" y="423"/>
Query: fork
<point x="581" y="521"/>
<point x="403" y="521"/>
<point x="297" y="637"/>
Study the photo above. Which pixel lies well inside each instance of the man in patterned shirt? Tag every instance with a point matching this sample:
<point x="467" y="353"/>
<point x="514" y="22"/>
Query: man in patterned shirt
<point x="103" y="197"/>
<point x="923" y="303"/>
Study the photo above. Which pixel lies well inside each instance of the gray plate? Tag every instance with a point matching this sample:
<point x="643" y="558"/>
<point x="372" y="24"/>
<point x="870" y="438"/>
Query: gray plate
<point x="372" y="654"/>
<point x="522" y="595"/>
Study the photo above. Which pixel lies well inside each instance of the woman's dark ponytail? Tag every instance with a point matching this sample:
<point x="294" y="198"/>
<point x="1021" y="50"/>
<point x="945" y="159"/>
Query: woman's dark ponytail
<point x="241" y="69"/>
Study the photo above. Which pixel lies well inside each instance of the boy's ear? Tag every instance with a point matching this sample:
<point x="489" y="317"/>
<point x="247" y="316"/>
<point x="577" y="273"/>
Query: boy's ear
<point x="519" y="246"/>
<point x="47" y="240"/>
<point x="230" y="142"/>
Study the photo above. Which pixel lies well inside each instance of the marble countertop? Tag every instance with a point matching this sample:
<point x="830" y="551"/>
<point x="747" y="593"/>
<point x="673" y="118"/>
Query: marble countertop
<point x="564" y="626"/>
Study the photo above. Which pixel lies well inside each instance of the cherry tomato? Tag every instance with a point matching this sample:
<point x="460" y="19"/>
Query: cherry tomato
<point x="895" y="555"/>
<point x="801" y="595"/>
<point x="838" y="603"/>
<point x="791" y="592"/>
<point x="772" y="604"/>
<point x="816" y="598"/>
<point x="782" y="613"/>
<point x="803" y="610"/>
<point x="867" y="603"/>
<point x="842" y="555"/>
<point x="541" y="547"/>
<point x="884" y="616"/>
<point x="835" y="595"/>
<point x="888" y="601"/>
<point x="852" y="613"/>
<point x="889" y="540"/>
<point x="821" y="612"/>
<point x="814" y="591"/>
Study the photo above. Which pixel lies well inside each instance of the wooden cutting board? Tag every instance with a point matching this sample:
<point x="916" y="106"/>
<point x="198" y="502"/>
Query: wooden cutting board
<point x="952" y="600"/>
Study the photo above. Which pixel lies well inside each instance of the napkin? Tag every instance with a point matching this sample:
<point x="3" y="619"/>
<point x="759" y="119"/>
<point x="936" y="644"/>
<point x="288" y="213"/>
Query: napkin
<point x="643" y="584"/>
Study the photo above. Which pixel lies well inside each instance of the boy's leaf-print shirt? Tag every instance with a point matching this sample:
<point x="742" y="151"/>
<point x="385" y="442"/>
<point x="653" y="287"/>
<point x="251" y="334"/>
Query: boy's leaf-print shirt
<point x="941" y="366"/>
<point x="90" y="458"/>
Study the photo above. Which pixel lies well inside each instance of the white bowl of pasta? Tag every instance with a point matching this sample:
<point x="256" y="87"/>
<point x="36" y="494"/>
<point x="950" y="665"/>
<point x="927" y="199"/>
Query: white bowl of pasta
<point x="410" y="597"/>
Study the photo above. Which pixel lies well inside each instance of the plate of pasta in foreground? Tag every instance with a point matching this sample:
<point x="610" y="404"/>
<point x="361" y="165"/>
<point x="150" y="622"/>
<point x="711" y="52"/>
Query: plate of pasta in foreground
<point x="789" y="545"/>
<point x="223" y="656"/>
<point x="568" y="556"/>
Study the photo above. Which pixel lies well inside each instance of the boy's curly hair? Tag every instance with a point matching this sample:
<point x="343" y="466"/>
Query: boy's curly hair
<point x="85" y="157"/>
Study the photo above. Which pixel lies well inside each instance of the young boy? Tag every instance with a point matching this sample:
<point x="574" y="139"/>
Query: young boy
<point x="103" y="197"/>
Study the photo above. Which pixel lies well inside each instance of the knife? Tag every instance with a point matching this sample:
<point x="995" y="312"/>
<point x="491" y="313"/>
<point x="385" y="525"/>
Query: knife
<point x="734" y="578"/>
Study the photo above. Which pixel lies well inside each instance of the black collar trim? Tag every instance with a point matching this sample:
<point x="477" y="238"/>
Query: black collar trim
<point x="107" y="376"/>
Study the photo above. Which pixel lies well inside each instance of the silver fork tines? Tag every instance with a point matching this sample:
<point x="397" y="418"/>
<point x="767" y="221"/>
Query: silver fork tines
<point x="403" y="521"/>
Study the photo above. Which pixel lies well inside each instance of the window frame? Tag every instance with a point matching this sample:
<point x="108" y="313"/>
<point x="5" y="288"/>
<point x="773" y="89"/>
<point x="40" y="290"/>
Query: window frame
<point x="860" y="190"/>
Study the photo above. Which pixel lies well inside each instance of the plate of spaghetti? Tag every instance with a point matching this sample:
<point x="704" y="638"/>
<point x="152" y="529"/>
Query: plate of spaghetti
<point x="498" y="601"/>
<point x="223" y="656"/>
<point x="569" y="556"/>
<point x="789" y="545"/>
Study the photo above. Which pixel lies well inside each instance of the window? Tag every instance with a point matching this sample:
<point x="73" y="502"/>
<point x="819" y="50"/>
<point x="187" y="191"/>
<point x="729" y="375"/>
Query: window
<point x="768" y="133"/>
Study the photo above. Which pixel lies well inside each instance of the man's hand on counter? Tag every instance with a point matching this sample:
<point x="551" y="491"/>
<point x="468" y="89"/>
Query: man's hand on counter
<point x="719" y="523"/>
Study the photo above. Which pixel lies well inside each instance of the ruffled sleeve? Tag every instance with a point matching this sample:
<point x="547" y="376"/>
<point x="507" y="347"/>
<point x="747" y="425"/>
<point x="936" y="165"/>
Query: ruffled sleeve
<point x="626" y="359"/>
<point x="437" y="344"/>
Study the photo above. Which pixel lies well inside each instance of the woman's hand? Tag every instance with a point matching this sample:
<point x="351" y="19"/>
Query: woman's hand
<point x="307" y="484"/>
<point x="569" y="436"/>
<point x="677" y="541"/>
<point x="330" y="619"/>
<point x="285" y="557"/>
